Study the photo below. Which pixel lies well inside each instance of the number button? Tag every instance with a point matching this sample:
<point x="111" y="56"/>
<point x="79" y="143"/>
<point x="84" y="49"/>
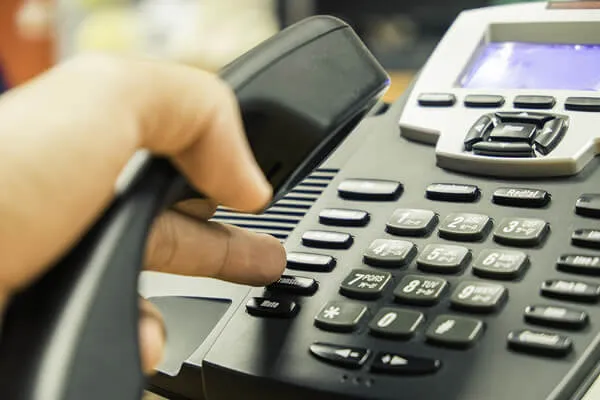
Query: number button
<point x="411" y="222"/>
<point x="521" y="231"/>
<point x="478" y="296"/>
<point x="465" y="227"/>
<point x="420" y="290"/>
<point x="389" y="253"/>
<point x="364" y="284"/>
<point x="395" y="322"/>
<point x="443" y="258"/>
<point x="500" y="264"/>
<point x="454" y="331"/>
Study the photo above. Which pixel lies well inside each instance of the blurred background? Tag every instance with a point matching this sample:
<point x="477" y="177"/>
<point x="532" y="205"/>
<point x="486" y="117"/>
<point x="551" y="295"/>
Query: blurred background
<point x="35" y="34"/>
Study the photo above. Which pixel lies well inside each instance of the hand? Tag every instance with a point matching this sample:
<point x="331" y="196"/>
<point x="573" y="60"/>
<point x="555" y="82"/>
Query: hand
<point x="66" y="136"/>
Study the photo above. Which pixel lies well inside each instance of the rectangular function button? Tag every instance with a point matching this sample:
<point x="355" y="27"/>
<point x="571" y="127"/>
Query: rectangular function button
<point x="454" y="331"/>
<point x="436" y="99"/>
<point x="452" y="192"/>
<point x="554" y="316"/>
<point x="310" y="262"/>
<point x="571" y="290"/>
<point x="370" y="189"/>
<point x="365" y="284"/>
<point x="538" y="102"/>
<point x="327" y="239"/>
<point x="343" y="217"/>
<point x="589" y="238"/>
<point x="294" y="285"/>
<point x="588" y="205"/>
<point x="340" y="316"/>
<point x="521" y="231"/>
<point x="500" y="264"/>
<point x="521" y="197"/>
<point x="483" y="100"/>
<point x="271" y="307"/>
<point x="538" y="342"/>
<point x="579" y="264"/>
<point x="411" y="222"/>
<point x="401" y="364"/>
<point x="343" y="356"/>
<point x="582" y="103"/>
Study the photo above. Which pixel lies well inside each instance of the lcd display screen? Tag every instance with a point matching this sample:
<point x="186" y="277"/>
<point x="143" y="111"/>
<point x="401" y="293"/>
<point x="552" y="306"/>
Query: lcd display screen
<point x="516" y="65"/>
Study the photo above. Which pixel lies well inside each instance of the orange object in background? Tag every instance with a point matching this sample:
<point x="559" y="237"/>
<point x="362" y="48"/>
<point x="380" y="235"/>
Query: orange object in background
<point x="20" y="59"/>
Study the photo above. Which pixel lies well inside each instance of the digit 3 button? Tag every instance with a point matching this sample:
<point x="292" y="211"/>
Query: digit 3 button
<point x="365" y="284"/>
<point x="394" y="322"/>
<point x="521" y="231"/>
<point x="454" y="331"/>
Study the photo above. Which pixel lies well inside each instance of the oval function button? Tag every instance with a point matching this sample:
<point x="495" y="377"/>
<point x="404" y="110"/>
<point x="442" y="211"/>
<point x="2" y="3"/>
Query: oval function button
<point x="579" y="264"/>
<point x="483" y="100"/>
<point x="588" y="205"/>
<point x="402" y="364"/>
<point x="589" y="238"/>
<point x="538" y="102"/>
<point x="343" y="217"/>
<point x="521" y="197"/>
<point x="554" y="316"/>
<point x="452" y="192"/>
<point x="343" y="356"/>
<point x="436" y="99"/>
<point x="295" y="285"/>
<point x="370" y="189"/>
<point x="271" y="307"/>
<point x="538" y="342"/>
<point x="327" y="240"/>
<point x="571" y="290"/>
<point x="310" y="262"/>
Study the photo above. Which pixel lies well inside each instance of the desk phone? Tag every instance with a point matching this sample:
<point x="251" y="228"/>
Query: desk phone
<point x="448" y="249"/>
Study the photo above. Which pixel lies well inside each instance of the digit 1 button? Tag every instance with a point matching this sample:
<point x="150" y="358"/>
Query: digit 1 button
<point x="327" y="240"/>
<point x="454" y="331"/>
<point x="396" y="322"/>
<point x="340" y="316"/>
<point x="478" y="296"/>
<point x="343" y="356"/>
<point x="588" y="205"/>
<point x="411" y="222"/>
<point x="365" y="284"/>
<point x="443" y="258"/>
<point x="389" y="253"/>
<point x="343" y="217"/>
<point x="420" y="290"/>
<point x="500" y="264"/>
<point x="589" y="238"/>
<point x="554" y="316"/>
<point x="537" y="342"/>
<point x="465" y="227"/>
<point x="521" y="231"/>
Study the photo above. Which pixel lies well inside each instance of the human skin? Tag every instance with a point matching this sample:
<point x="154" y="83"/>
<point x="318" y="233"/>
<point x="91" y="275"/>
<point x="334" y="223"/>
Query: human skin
<point x="66" y="135"/>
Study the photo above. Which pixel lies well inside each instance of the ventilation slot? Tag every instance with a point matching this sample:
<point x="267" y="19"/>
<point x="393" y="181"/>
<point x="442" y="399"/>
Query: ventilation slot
<point x="280" y="219"/>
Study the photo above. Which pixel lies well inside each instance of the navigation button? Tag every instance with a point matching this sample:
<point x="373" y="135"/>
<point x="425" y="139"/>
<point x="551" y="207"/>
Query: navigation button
<point x="340" y="316"/>
<point x="310" y="262"/>
<point x="452" y="192"/>
<point x="588" y="205"/>
<point x="454" y="331"/>
<point x="554" y="316"/>
<point x="327" y="240"/>
<point x="513" y="132"/>
<point x="436" y="99"/>
<point x="589" y="238"/>
<point x="538" y="342"/>
<point x="579" y="264"/>
<point x="390" y="253"/>
<point x="294" y="285"/>
<point x="538" y="102"/>
<point x="582" y="103"/>
<point x="483" y="100"/>
<point x="271" y="307"/>
<point x="571" y="290"/>
<point x="370" y="189"/>
<point x="365" y="284"/>
<point x="411" y="222"/>
<point x="401" y="364"/>
<point x="525" y="117"/>
<point x="550" y="135"/>
<point x="521" y="197"/>
<point x="503" y="149"/>
<point x="393" y="322"/>
<point x="343" y="217"/>
<point x="478" y="131"/>
<point x="344" y="356"/>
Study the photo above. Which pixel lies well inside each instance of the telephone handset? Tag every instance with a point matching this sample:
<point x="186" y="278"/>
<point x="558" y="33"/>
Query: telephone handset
<point x="73" y="334"/>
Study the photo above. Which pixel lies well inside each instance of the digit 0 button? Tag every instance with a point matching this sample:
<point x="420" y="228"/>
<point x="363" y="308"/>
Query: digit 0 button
<point x="394" y="322"/>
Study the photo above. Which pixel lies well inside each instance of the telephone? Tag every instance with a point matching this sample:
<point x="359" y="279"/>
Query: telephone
<point x="447" y="247"/>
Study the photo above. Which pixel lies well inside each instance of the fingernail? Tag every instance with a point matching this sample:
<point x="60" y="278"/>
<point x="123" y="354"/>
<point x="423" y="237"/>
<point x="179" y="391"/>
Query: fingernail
<point x="152" y="342"/>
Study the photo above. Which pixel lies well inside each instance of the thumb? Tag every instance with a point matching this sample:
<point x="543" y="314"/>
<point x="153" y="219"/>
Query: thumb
<point x="152" y="336"/>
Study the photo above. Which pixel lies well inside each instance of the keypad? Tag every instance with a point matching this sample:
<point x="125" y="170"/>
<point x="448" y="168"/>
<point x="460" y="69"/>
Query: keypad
<point x="340" y="316"/>
<point x="588" y="205"/>
<point x="589" y="238"/>
<point x="327" y="239"/>
<point x="539" y="342"/>
<point x="411" y="222"/>
<point x="521" y="231"/>
<point x="443" y="258"/>
<point x="464" y="227"/>
<point x="394" y="322"/>
<point x="420" y="290"/>
<point x="343" y="217"/>
<point x="370" y="189"/>
<point x="477" y="296"/>
<point x="390" y="253"/>
<point x="500" y="264"/>
<point x="365" y="284"/>
<point x="310" y="262"/>
<point x="454" y="330"/>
